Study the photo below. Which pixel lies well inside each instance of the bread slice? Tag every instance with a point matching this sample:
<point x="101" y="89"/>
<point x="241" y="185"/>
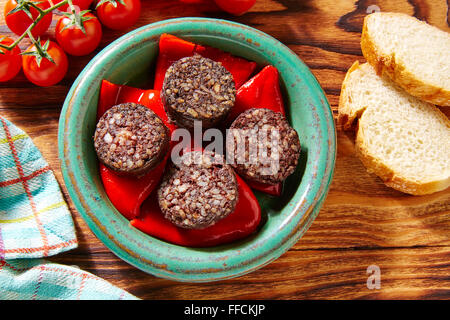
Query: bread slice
<point x="411" y="52"/>
<point x="403" y="140"/>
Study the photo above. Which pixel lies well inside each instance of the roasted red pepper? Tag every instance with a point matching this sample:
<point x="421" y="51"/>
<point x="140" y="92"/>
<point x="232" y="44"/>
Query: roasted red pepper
<point x="128" y="193"/>
<point x="242" y="222"/>
<point x="261" y="91"/>
<point x="172" y="48"/>
<point x="272" y="189"/>
<point x="112" y="94"/>
<point x="240" y="68"/>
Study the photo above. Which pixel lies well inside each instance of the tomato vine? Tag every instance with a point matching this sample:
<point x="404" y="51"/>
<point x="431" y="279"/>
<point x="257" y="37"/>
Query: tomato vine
<point x="25" y="5"/>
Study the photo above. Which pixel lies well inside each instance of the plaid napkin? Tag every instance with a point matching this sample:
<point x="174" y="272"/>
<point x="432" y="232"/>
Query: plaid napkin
<point x="36" y="223"/>
<point x="37" y="279"/>
<point x="34" y="219"/>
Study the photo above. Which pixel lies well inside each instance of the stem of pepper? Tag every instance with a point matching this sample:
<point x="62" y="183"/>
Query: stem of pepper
<point x="42" y="13"/>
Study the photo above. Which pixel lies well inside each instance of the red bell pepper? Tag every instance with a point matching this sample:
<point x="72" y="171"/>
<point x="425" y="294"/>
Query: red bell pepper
<point x="242" y="222"/>
<point x="272" y="189"/>
<point x="112" y="94"/>
<point x="128" y="193"/>
<point x="109" y="93"/>
<point x="172" y="48"/>
<point x="261" y="91"/>
<point x="240" y="68"/>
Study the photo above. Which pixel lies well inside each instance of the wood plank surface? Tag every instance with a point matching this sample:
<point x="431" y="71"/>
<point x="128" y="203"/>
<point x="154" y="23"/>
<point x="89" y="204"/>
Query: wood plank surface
<point x="362" y="222"/>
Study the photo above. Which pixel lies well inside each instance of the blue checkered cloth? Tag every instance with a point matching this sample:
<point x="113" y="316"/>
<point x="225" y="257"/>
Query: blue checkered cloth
<point x="35" y="223"/>
<point x="37" y="279"/>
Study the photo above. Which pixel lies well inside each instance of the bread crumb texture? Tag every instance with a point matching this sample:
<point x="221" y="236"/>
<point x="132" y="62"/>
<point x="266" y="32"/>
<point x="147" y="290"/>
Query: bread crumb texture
<point x="402" y="139"/>
<point x="413" y="53"/>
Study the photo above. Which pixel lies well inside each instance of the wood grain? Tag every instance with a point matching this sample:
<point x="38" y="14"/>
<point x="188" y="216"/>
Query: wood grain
<point x="362" y="222"/>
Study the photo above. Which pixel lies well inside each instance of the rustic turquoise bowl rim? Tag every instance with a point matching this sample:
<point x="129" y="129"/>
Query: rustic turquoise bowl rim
<point x="307" y="106"/>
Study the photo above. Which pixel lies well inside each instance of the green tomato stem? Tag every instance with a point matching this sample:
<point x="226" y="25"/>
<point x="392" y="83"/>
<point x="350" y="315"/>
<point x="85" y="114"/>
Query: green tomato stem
<point x="42" y="13"/>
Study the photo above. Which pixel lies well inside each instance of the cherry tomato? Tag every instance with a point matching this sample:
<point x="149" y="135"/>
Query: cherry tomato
<point x="10" y="60"/>
<point x="73" y="40"/>
<point x="47" y="73"/>
<point x="117" y="16"/>
<point x="18" y="22"/>
<point x="82" y="4"/>
<point x="235" y="7"/>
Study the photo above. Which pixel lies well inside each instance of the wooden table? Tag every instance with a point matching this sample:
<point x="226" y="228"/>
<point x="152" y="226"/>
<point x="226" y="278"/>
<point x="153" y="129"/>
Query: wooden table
<point x="362" y="222"/>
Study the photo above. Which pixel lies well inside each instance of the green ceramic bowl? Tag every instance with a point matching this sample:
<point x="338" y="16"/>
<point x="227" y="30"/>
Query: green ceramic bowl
<point x="129" y="60"/>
